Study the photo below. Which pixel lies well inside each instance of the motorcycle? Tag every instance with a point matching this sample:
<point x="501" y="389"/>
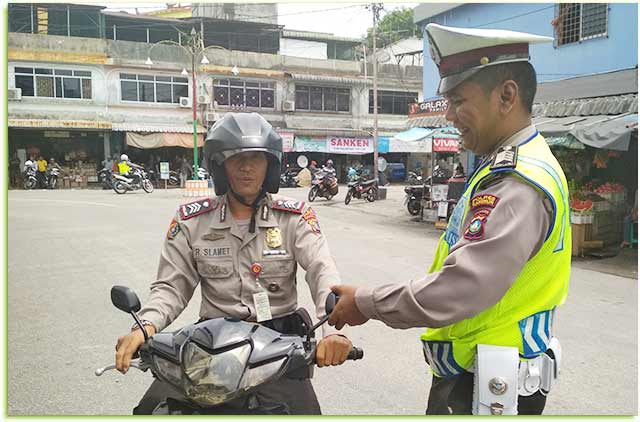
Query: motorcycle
<point x="288" y="179"/>
<point x="413" y="198"/>
<point x="362" y="190"/>
<point x="123" y="183"/>
<point x="325" y="184"/>
<point x="105" y="177"/>
<point x="216" y="361"/>
<point x="414" y="178"/>
<point x="52" y="177"/>
<point x="30" y="180"/>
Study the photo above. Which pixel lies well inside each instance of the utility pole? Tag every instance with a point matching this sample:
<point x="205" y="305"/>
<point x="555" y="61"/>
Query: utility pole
<point x="375" y="8"/>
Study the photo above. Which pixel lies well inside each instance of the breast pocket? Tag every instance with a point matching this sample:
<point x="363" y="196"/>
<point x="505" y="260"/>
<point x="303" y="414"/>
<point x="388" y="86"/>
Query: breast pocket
<point x="215" y="268"/>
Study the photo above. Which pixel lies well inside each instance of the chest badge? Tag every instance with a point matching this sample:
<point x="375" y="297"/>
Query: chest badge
<point x="213" y="236"/>
<point x="274" y="238"/>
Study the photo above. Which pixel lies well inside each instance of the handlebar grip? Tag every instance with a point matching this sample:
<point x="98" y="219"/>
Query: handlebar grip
<point x="355" y="353"/>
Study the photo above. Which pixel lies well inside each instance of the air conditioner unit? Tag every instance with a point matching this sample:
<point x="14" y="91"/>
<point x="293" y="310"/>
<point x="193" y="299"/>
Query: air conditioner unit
<point x="185" y="102"/>
<point x="288" y="106"/>
<point x="211" y="116"/>
<point x="14" y="94"/>
<point x="204" y="99"/>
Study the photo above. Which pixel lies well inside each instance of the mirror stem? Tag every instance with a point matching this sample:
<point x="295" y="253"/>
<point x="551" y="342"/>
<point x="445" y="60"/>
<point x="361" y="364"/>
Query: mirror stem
<point x="144" y="332"/>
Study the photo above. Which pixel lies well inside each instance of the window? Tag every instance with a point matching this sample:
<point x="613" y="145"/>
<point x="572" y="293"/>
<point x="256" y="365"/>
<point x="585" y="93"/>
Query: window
<point x="153" y="89"/>
<point x="240" y="93"/>
<point x="322" y="98"/>
<point x="53" y="83"/>
<point x="393" y="102"/>
<point x="575" y="22"/>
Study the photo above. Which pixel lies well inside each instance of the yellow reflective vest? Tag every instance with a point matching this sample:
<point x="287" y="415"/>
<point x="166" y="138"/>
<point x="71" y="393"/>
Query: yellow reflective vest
<point x="123" y="167"/>
<point x="523" y="317"/>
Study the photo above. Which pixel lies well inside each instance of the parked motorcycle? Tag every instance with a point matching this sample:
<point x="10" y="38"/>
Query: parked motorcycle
<point x="414" y="178"/>
<point x="30" y="180"/>
<point x="325" y="184"/>
<point x="105" y="177"/>
<point x="413" y="198"/>
<point x="52" y="177"/>
<point x="123" y="183"/>
<point x="362" y="190"/>
<point x="219" y="360"/>
<point x="288" y="179"/>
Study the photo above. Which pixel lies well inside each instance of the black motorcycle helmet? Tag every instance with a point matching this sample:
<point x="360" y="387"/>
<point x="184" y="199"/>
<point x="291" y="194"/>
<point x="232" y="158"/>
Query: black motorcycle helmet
<point x="241" y="132"/>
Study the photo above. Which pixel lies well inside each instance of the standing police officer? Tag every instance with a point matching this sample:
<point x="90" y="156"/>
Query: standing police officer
<point x="502" y="265"/>
<point x="243" y="247"/>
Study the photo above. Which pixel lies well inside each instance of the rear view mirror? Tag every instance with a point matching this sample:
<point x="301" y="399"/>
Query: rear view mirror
<point x="330" y="303"/>
<point x="125" y="299"/>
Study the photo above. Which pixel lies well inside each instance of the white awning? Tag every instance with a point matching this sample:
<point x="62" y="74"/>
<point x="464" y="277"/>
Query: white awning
<point x="156" y="127"/>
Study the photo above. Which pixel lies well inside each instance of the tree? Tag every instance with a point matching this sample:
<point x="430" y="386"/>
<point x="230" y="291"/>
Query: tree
<point x="393" y="27"/>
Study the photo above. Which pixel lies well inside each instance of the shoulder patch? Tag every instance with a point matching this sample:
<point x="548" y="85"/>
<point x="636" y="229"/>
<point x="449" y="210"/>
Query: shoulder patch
<point x="310" y="217"/>
<point x="201" y="206"/>
<point x="484" y="201"/>
<point x="505" y="157"/>
<point x="288" y="205"/>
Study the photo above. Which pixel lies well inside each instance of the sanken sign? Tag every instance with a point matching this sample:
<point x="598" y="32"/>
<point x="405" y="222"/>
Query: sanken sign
<point x="445" y="144"/>
<point x="341" y="145"/>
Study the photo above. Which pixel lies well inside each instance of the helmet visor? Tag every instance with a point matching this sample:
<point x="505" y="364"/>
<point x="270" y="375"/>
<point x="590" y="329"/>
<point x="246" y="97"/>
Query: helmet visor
<point x="221" y="156"/>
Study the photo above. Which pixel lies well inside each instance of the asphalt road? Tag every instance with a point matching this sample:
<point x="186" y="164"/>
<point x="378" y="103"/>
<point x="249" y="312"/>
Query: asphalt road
<point x="67" y="248"/>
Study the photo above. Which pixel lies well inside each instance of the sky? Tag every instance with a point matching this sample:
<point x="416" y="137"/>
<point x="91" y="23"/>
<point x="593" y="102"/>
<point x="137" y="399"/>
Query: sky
<point x="342" y="19"/>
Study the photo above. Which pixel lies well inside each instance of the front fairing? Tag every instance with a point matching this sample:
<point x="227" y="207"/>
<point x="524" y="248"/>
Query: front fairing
<point x="215" y="361"/>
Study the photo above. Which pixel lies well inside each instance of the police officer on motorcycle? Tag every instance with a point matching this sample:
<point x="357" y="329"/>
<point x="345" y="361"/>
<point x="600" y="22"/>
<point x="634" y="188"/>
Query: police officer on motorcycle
<point x="502" y="266"/>
<point x="243" y="248"/>
<point x="125" y="166"/>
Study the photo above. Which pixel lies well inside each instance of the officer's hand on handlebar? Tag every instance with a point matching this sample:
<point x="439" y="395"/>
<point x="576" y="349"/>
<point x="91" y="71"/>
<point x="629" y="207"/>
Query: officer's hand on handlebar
<point x="346" y="311"/>
<point x="128" y="345"/>
<point x="333" y="350"/>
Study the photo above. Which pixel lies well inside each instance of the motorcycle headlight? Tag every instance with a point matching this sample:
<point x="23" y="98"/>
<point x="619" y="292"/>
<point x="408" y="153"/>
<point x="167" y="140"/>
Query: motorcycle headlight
<point x="213" y="378"/>
<point x="260" y="374"/>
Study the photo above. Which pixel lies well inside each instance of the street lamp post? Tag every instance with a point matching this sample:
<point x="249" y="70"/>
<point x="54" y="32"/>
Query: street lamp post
<point x="194" y="48"/>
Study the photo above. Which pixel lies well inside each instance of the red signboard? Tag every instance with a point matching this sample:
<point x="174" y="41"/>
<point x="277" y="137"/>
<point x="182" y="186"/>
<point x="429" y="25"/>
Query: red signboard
<point x="432" y="107"/>
<point x="445" y="145"/>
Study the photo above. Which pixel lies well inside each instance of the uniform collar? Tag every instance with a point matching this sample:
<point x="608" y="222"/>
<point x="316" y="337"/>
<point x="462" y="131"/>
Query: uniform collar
<point x="517" y="138"/>
<point x="223" y="219"/>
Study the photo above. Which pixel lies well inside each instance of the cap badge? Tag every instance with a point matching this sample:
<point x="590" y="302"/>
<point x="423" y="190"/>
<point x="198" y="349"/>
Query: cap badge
<point x="484" y="61"/>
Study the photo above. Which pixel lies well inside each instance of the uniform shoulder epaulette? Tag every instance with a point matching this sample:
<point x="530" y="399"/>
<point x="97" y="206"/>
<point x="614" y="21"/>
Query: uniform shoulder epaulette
<point x="505" y="157"/>
<point x="198" y="207"/>
<point x="290" y="205"/>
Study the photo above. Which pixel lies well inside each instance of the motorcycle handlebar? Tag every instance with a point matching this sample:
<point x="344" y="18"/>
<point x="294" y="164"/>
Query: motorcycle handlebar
<point x="356" y="353"/>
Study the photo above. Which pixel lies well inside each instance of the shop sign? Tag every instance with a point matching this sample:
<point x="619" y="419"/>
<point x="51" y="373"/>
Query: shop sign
<point x="431" y="107"/>
<point x="55" y="134"/>
<point x="304" y="144"/>
<point x="164" y="170"/>
<point x="445" y="145"/>
<point x="344" y="145"/>
<point x="287" y="140"/>
<point x="64" y="124"/>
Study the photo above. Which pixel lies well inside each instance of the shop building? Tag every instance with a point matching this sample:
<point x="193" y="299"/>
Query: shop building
<point x="60" y="78"/>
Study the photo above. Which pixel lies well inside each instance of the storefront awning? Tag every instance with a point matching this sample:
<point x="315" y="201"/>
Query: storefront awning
<point x="331" y="79"/>
<point x="159" y="140"/>
<point x="59" y="124"/>
<point x="428" y="121"/>
<point x="421" y="139"/>
<point x="602" y="131"/>
<point x="157" y="127"/>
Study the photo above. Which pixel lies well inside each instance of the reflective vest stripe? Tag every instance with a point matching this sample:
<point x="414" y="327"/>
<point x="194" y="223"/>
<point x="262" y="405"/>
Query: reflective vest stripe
<point x="440" y="358"/>
<point x="536" y="332"/>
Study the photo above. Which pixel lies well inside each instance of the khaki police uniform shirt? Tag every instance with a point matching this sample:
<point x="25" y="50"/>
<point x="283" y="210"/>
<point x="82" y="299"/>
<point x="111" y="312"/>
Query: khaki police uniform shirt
<point x="477" y="273"/>
<point x="213" y="250"/>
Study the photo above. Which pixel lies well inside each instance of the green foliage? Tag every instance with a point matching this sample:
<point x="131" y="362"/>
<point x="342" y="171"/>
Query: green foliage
<point x="393" y="27"/>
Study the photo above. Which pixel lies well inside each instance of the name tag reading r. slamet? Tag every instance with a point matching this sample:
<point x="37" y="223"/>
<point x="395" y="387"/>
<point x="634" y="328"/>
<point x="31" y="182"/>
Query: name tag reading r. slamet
<point x="211" y="252"/>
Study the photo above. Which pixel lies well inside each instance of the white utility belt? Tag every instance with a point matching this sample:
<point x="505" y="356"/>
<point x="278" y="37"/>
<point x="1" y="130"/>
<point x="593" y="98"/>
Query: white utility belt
<point x="500" y="377"/>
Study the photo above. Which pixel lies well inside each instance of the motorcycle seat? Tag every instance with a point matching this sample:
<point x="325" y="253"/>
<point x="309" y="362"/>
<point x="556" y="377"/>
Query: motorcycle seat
<point x="369" y="182"/>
